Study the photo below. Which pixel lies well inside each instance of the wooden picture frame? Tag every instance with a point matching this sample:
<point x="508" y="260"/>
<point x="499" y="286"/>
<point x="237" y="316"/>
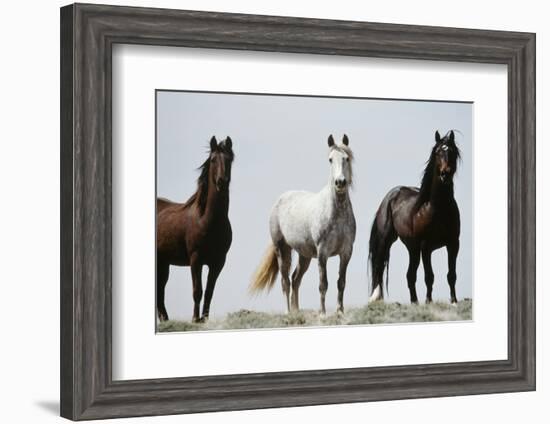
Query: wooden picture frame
<point x="88" y="33"/>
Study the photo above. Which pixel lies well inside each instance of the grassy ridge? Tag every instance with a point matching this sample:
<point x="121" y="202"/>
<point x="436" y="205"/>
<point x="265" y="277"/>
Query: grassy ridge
<point x="375" y="313"/>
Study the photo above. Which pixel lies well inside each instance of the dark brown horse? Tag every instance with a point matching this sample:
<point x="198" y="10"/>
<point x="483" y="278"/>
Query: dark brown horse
<point x="197" y="232"/>
<point x="424" y="219"/>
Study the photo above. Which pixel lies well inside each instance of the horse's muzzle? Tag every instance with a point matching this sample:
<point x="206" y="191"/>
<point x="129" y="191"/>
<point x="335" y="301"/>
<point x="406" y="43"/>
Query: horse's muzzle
<point x="222" y="184"/>
<point x="446" y="177"/>
<point x="340" y="184"/>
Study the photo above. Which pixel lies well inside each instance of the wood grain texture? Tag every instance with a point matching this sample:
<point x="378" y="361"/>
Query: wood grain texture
<point x="66" y="214"/>
<point x="88" y="33"/>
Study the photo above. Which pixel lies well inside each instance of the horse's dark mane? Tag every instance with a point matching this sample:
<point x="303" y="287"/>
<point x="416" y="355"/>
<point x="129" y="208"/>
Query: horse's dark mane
<point x="427" y="175"/>
<point x="201" y="194"/>
<point x="427" y="179"/>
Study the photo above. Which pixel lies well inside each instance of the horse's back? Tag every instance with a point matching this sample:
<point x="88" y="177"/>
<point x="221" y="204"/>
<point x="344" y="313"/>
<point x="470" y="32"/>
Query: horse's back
<point x="399" y="198"/>
<point x="293" y="207"/>
<point x="163" y="203"/>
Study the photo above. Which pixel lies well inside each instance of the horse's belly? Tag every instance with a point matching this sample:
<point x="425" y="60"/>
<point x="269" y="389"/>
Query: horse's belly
<point x="306" y="225"/>
<point x="180" y="261"/>
<point x="309" y="251"/>
<point x="436" y="240"/>
<point x="177" y="256"/>
<point x="331" y="245"/>
<point x="336" y="246"/>
<point x="303" y="245"/>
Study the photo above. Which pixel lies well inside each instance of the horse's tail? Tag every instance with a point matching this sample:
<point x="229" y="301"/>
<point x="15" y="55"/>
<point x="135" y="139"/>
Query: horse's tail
<point x="266" y="273"/>
<point x="382" y="236"/>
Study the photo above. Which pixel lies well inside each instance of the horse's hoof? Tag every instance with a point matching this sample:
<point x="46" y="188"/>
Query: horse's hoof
<point x="428" y="301"/>
<point x="454" y="304"/>
<point x="204" y="318"/>
<point x="322" y="315"/>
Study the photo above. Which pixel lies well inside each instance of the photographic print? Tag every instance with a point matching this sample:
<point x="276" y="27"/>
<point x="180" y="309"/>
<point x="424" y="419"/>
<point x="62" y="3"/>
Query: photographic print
<point x="278" y="211"/>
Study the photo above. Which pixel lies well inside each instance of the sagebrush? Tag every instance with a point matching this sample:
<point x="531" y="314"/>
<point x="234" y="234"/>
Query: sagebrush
<point x="374" y="313"/>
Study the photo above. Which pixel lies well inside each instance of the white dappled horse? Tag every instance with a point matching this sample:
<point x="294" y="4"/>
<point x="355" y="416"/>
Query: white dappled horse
<point x="315" y="225"/>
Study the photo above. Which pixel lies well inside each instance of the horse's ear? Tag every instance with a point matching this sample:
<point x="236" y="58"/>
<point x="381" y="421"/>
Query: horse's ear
<point x="228" y="142"/>
<point x="330" y="141"/>
<point x="452" y="136"/>
<point x="213" y="143"/>
<point x="437" y="137"/>
<point x="345" y="140"/>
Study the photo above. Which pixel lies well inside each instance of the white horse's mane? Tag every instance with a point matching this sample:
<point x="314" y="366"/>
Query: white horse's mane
<point x="343" y="148"/>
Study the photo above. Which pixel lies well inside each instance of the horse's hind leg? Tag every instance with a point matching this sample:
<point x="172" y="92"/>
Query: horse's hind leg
<point x="283" y="252"/>
<point x="414" y="261"/>
<point x="428" y="273"/>
<point x="301" y="268"/>
<point x="163" y="271"/>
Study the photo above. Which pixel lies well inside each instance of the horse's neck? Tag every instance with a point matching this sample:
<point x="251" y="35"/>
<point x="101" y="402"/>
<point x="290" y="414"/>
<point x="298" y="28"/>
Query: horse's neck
<point x="217" y="205"/>
<point x="441" y="195"/>
<point x="335" y="204"/>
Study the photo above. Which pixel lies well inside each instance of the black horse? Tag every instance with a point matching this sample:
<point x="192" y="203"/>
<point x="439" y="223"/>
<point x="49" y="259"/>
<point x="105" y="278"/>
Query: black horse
<point x="424" y="219"/>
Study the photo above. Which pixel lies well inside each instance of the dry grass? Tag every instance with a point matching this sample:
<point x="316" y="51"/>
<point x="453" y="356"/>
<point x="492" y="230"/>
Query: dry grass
<point x="375" y="313"/>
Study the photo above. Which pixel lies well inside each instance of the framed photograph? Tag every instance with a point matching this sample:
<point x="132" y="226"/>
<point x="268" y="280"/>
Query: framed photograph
<point x="325" y="211"/>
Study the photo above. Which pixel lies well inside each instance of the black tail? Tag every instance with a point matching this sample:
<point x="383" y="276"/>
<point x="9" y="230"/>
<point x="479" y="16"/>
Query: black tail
<point x="382" y="236"/>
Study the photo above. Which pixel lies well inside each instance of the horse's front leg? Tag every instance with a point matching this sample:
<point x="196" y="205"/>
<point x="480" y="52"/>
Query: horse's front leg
<point x="344" y="261"/>
<point x="213" y="273"/>
<point x="414" y="261"/>
<point x="428" y="273"/>
<point x="196" y="275"/>
<point x="452" y="253"/>
<point x="323" y="281"/>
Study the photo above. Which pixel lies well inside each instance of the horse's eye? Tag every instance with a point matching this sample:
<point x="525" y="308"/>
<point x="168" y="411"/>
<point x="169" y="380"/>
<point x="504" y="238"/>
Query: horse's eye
<point x="347" y="159"/>
<point x="330" y="160"/>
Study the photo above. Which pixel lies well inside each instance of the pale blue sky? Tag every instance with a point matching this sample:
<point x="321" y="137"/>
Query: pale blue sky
<point x="280" y="144"/>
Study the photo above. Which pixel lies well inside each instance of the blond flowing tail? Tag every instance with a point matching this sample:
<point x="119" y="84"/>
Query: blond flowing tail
<point x="266" y="273"/>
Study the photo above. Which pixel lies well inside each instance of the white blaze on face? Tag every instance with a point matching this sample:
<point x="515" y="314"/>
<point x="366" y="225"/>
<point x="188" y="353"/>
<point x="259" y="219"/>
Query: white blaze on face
<point x="340" y="169"/>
